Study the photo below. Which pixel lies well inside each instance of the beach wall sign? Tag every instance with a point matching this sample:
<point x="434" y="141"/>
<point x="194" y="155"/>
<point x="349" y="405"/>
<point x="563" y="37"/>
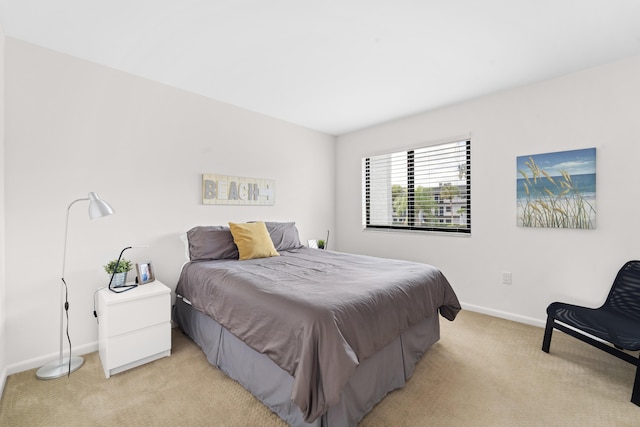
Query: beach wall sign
<point x="235" y="190"/>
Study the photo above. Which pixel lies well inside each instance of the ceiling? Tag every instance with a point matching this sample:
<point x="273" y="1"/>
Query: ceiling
<point x="334" y="65"/>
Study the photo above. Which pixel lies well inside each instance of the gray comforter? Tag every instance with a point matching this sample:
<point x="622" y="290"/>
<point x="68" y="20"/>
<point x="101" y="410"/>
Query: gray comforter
<point x="317" y="313"/>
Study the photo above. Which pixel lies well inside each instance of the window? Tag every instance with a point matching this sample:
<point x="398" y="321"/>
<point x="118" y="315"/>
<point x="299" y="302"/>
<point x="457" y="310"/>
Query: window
<point x="425" y="189"/>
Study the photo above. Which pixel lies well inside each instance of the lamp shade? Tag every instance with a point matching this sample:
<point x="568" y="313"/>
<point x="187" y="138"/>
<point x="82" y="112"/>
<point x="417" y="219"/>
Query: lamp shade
<point x="98" y="207"/>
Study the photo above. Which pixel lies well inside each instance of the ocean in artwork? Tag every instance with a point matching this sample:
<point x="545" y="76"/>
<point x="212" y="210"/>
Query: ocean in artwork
<point x="585" y="184"/>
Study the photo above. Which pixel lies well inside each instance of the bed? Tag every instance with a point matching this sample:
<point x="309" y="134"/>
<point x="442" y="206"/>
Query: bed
<point x="318" y="336"/>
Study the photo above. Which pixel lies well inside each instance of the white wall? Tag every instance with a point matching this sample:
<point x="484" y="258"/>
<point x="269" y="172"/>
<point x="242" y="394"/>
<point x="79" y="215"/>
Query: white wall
<point x="75" y="127"/>
<point x="593" y="108"/>
<point x="3" y="317"/>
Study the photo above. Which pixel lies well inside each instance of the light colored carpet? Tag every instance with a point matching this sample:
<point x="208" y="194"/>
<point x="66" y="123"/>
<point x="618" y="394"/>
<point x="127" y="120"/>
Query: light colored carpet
<point x="483" y="372"/>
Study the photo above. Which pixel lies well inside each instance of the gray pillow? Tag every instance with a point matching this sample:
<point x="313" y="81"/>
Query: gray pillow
<point x="211" y="242"/>
<point x="284" y="235"/>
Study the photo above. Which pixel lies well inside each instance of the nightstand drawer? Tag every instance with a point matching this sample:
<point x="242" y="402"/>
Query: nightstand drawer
<point x="139" y="344"/>
<point x="137" y="314"/>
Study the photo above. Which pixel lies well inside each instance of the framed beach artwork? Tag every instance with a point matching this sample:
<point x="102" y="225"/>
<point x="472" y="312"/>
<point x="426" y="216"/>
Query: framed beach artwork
<point x="557" y="190"/>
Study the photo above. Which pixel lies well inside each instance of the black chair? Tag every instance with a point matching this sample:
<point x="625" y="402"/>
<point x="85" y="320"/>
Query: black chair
<point x="616" y="322"/>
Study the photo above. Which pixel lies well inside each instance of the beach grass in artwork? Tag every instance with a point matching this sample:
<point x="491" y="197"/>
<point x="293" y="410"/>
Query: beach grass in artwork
<point x="557" y="190"/>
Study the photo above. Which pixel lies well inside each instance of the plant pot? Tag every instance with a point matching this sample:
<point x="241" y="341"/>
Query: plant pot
<point x="119" y="279"/>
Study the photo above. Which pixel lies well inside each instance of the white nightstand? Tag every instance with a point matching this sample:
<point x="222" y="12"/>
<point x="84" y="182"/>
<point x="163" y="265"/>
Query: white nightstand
<point x="134" y="327"/>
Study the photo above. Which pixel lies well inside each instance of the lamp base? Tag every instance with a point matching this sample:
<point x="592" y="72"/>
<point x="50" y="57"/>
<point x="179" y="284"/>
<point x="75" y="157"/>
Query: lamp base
<point x="56" y="369"/>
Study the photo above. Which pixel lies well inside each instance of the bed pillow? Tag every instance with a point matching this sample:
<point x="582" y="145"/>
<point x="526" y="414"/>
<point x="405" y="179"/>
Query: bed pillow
<point x="284" y="235"/>
<point x="208" y="243"/>
<point x="252" y="240"/>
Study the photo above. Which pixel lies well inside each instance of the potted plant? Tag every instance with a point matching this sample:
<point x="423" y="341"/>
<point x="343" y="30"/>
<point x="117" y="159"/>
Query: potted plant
<point x="320" y="244"/>
<point x="120" y="276"/>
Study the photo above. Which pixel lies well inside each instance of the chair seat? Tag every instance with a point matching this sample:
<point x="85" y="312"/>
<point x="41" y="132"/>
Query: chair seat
<point x="615" y="328"/>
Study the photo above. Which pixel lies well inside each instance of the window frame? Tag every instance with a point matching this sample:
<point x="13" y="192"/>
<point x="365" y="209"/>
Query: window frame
<point x="440" y="209"/>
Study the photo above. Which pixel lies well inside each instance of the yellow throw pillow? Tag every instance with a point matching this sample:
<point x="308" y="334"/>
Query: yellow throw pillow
<point x="253" y="240"/>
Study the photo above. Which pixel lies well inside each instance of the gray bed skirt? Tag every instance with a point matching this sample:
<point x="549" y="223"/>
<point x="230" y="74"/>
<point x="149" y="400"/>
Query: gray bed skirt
<point x="372" y="380"/>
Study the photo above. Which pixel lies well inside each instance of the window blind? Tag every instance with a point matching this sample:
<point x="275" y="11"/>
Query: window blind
<point x="426" y="188"/>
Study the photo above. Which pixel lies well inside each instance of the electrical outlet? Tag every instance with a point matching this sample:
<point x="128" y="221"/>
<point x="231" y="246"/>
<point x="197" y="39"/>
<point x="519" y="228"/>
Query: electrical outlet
<point x="506" y="277"/>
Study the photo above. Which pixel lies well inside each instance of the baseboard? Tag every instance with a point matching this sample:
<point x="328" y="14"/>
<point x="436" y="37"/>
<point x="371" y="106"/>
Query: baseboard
<point x="505" y="315"/>
<point x="3" y="381"/>
<point x="36" y="362"/>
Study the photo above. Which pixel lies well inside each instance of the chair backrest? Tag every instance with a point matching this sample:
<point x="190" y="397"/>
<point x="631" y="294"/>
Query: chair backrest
<point x="624" y="296"/>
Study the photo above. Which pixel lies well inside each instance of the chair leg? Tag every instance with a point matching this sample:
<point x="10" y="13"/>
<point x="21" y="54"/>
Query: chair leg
<point x="635" y="394"/>
<point x="548" y="330"/>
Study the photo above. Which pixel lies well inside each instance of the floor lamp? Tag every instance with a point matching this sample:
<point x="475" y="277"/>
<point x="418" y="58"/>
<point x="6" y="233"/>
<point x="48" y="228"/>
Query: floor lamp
<point x="65" y="365"/>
